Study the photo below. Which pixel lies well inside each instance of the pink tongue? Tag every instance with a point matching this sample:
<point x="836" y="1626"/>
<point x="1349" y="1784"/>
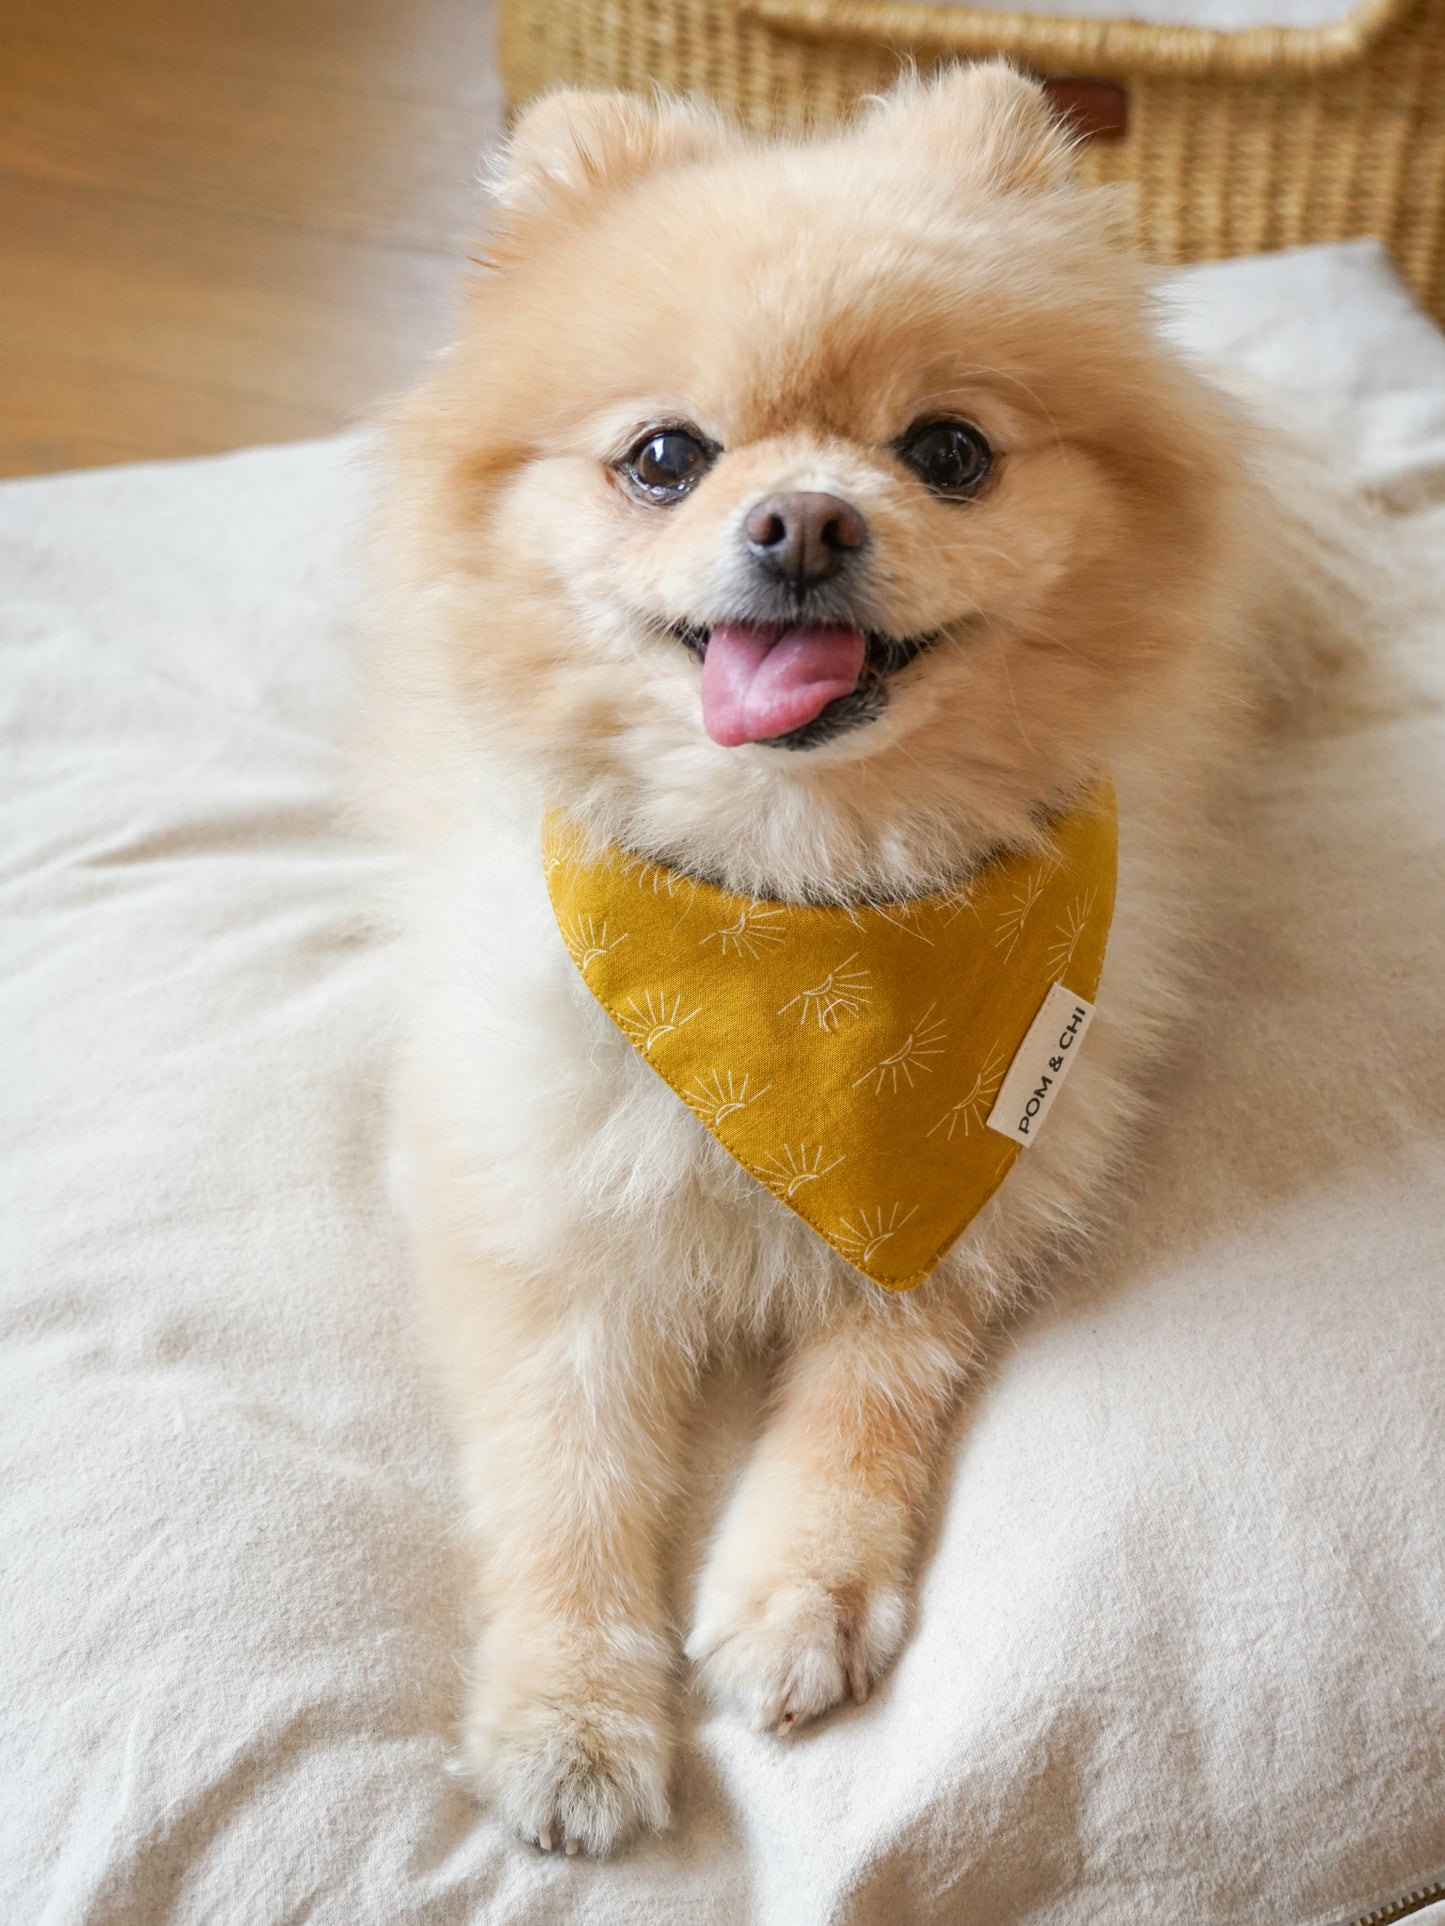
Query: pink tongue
<point x="765" y="680"/>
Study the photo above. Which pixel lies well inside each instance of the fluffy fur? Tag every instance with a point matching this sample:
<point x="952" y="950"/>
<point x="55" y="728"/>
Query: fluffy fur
<point x="585" y="1245"/>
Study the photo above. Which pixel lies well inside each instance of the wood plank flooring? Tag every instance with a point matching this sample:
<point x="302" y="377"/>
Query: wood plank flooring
<point x="227" y="223"/>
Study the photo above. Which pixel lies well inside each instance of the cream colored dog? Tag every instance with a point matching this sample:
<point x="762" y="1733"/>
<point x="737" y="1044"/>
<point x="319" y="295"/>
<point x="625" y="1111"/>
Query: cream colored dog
<point x="892" y="403"/>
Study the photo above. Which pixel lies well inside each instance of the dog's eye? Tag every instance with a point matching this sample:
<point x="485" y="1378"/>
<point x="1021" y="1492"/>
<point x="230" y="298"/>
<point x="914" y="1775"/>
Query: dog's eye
<point x="950" y="457"/>
<point x="667" y="462"/>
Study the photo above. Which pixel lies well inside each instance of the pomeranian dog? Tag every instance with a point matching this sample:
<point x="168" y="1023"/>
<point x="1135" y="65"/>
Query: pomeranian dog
<point x="810" y="519"/>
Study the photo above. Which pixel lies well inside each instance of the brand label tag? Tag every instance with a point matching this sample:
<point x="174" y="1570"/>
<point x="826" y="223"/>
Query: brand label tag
<point x="1037" y="1072"/>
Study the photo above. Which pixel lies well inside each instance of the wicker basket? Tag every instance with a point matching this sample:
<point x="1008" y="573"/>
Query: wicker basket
<point x="1234" y="142"/>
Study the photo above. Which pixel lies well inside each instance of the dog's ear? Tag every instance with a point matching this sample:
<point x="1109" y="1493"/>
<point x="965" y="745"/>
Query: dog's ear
<point x="570" y="143"/>
<point x="988" y="122"/>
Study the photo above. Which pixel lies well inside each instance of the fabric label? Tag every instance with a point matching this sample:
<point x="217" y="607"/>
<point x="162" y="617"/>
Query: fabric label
<point x="1037" y="1072"/>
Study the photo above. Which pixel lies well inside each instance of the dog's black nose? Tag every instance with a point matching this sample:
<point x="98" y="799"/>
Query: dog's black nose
<point x="803" y="536"/>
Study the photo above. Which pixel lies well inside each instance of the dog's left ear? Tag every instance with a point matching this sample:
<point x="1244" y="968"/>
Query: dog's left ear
<point x="572" y="143"/>
<point x="987" y="122"/>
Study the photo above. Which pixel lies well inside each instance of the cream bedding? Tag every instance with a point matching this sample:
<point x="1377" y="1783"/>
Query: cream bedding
<point x="1180" y="1645"/>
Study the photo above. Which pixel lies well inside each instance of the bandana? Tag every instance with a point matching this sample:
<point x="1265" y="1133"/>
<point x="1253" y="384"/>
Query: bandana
<point x="879" y="1069"/>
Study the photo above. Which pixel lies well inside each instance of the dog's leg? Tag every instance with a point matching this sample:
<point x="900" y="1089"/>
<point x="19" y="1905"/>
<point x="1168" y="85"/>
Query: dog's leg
<point x="802" y="1599"/>
<point x="568" y="1426"/>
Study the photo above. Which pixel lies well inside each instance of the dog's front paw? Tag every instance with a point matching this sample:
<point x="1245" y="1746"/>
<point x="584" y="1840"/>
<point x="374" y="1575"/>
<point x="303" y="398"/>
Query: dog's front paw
<point x="787" y="1653"/>
<point x="567" y="1768"/>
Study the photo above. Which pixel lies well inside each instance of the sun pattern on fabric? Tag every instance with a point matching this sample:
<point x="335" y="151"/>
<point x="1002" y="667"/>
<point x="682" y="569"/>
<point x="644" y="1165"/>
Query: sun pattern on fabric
<point x="848" y="1058"/>
<point x="720" y="1093"/>
<point x="554" y="847"/>
<point x="647" y="1021"/>
<point x="842" y="992"/>
<point x="788" y="1169"/>
<point x="861" y="1242"/>
<point x="658" y="881"/>
<point x="752" y="930"/>
<point x="970" y="1107"/>
<point x="588" y="940"/>
<point x="923" y="1041"/>
<point x="1069" y="933"/>
<point x="1015" y="916"/>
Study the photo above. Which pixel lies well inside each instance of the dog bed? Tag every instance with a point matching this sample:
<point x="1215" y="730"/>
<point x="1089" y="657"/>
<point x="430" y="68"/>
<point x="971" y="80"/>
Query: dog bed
<point x="1179" y="1653"/>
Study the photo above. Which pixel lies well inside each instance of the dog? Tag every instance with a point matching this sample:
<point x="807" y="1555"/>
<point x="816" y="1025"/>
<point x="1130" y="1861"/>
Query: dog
<point x="805" y="521"/>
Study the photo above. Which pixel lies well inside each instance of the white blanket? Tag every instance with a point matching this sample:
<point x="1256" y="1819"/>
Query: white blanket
<point x="1180" y="1646"/>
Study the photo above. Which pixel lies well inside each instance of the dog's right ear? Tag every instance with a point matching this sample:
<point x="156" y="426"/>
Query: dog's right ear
<point x="572" y="143"/>
<point x="984" y="122"/>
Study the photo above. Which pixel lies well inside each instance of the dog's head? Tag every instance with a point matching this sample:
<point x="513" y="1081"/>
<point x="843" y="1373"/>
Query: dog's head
<point x="802" y="508"/>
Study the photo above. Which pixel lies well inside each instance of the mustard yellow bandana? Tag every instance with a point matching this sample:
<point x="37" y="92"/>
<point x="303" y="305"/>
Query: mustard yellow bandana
<point x="877" y="1068"/>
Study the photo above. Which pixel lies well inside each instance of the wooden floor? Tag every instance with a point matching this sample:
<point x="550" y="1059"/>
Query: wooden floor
<point x="227" y="221"/>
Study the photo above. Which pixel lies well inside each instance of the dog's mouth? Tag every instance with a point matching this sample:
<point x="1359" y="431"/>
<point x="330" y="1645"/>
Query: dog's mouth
<point x="792" y="685"/>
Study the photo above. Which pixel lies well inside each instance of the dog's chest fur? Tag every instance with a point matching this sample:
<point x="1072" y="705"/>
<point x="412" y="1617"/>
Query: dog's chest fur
<point x="586" y="1170"/>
